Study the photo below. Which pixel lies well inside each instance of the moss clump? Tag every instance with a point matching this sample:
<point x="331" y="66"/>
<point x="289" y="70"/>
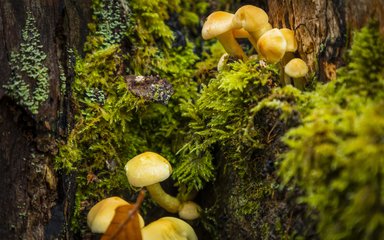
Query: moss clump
<point x="336" y="155"/>
<point x="29" y="84"/>
<point x="112" y="124"/>
<point x="235" y="128"/>
<point x="222" y="115"/>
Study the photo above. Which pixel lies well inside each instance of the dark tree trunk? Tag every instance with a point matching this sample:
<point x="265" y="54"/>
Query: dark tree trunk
<point x="28" y="183"/>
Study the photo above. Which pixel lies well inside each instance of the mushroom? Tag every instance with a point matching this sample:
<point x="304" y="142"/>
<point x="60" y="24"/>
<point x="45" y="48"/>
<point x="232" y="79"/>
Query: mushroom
<point x="189" y="210"/>
<point x="219" y="25"/>
<point x="253" y="19"/>
<point x="148" y="170"/>
<point x="242" y="33"/>
<point x="272" y="45"/>
<point x="225" y="58"/>
<point x="297" y="69"/>
<point x="167" y="228"/>
<point x="289" y="36"/>
<point x="102" y="213"/>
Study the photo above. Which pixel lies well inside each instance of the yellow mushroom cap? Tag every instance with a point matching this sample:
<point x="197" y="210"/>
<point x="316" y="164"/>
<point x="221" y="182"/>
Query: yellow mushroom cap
<point x="102" y="213"/>
<point x="250" y="17"/>
<point x="216" y="24"/>
<point x="146" y="169"/>
<point x="189" y="210"/>
<point x="289" y="36"/>
<point x="296" y="68"/>
<point x="272" y="45"/>
<point x="219" y="25"/>
<point x="167" y="228"/>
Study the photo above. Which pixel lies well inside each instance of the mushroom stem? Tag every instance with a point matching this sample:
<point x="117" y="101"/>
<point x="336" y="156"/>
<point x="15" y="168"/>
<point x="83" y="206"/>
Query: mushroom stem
<point x="299" y="83"/>
<point x="259" y="32"/>
<point x="166" y="201"/>
<point x="284" y="78"/>
<point x="231" y="46"/>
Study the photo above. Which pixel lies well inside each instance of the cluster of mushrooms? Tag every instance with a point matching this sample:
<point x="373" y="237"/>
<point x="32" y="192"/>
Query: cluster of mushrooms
<point x="272" y="44"/>
<point x="148" y="170"/>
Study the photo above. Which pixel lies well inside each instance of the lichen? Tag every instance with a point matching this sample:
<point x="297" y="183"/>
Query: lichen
<point x="29" y="84"/>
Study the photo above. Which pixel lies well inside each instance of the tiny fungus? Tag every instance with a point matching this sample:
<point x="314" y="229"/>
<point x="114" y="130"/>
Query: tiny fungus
<point x="289" y="36"/>
<point x="253" y="19"/>
<point x="148" y="170"/>
<point x="167" y="228"/>
<point x="189" y="210"/>
<point x="297" y="69"/>
<point x="102" y="213"/>
<point x="272" y="45"/>
<point x="219" y="25"/>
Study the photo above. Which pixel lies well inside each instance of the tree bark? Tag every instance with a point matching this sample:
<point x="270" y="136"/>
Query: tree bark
<point x="323" y="28"/>
<point x="28" y="182"/>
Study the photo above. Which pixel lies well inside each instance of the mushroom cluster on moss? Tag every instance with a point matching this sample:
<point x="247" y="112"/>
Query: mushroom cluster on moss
<point x="274" y="45"/>
<point x="102" y="213"/>
<point x="147" y="170"/>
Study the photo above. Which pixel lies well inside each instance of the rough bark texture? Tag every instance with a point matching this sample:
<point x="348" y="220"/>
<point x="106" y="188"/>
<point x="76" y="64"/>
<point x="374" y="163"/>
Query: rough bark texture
<point x="28" y="183"/>
<point x="323" y="27"/>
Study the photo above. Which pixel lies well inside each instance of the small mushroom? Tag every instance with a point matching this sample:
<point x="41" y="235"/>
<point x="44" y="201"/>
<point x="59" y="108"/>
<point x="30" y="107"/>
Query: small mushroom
<point x="242" y="33"/>
<point x="167" y="228"/>
<point x="297" y="69"/>
<point x="189" y="210"/>
<point x="289" y="36"/>
<point x="253" y="19"/>
<point x="219" y="25"/>
<point x="148" y="170"/>
<point x="272" y="45"/>
<point x="102" y="213"/>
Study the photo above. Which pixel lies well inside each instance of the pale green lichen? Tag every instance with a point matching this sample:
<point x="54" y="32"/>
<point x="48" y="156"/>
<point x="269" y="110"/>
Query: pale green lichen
<point x="28" y="63"/>
<point x="63" y="80"/>
<point x="114" y="21"/>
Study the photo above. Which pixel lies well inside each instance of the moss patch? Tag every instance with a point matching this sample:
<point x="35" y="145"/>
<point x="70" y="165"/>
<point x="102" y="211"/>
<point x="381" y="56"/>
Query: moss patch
<point x="336" y="155"/>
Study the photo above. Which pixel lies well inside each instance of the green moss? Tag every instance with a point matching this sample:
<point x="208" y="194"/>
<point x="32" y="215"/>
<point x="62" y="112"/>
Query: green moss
<point x="221" y="131"/>
<point x="112" y="124"/>
<point x="29" y="84"/>
<point x="221" y="115"/>
<point x="336" y="155"/>
<point x="235" y="128"/>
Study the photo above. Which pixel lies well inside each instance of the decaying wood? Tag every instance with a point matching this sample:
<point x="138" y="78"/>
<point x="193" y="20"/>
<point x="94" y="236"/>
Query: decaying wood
<point x="29" y="187"/>
<point x="151" y="88"/>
